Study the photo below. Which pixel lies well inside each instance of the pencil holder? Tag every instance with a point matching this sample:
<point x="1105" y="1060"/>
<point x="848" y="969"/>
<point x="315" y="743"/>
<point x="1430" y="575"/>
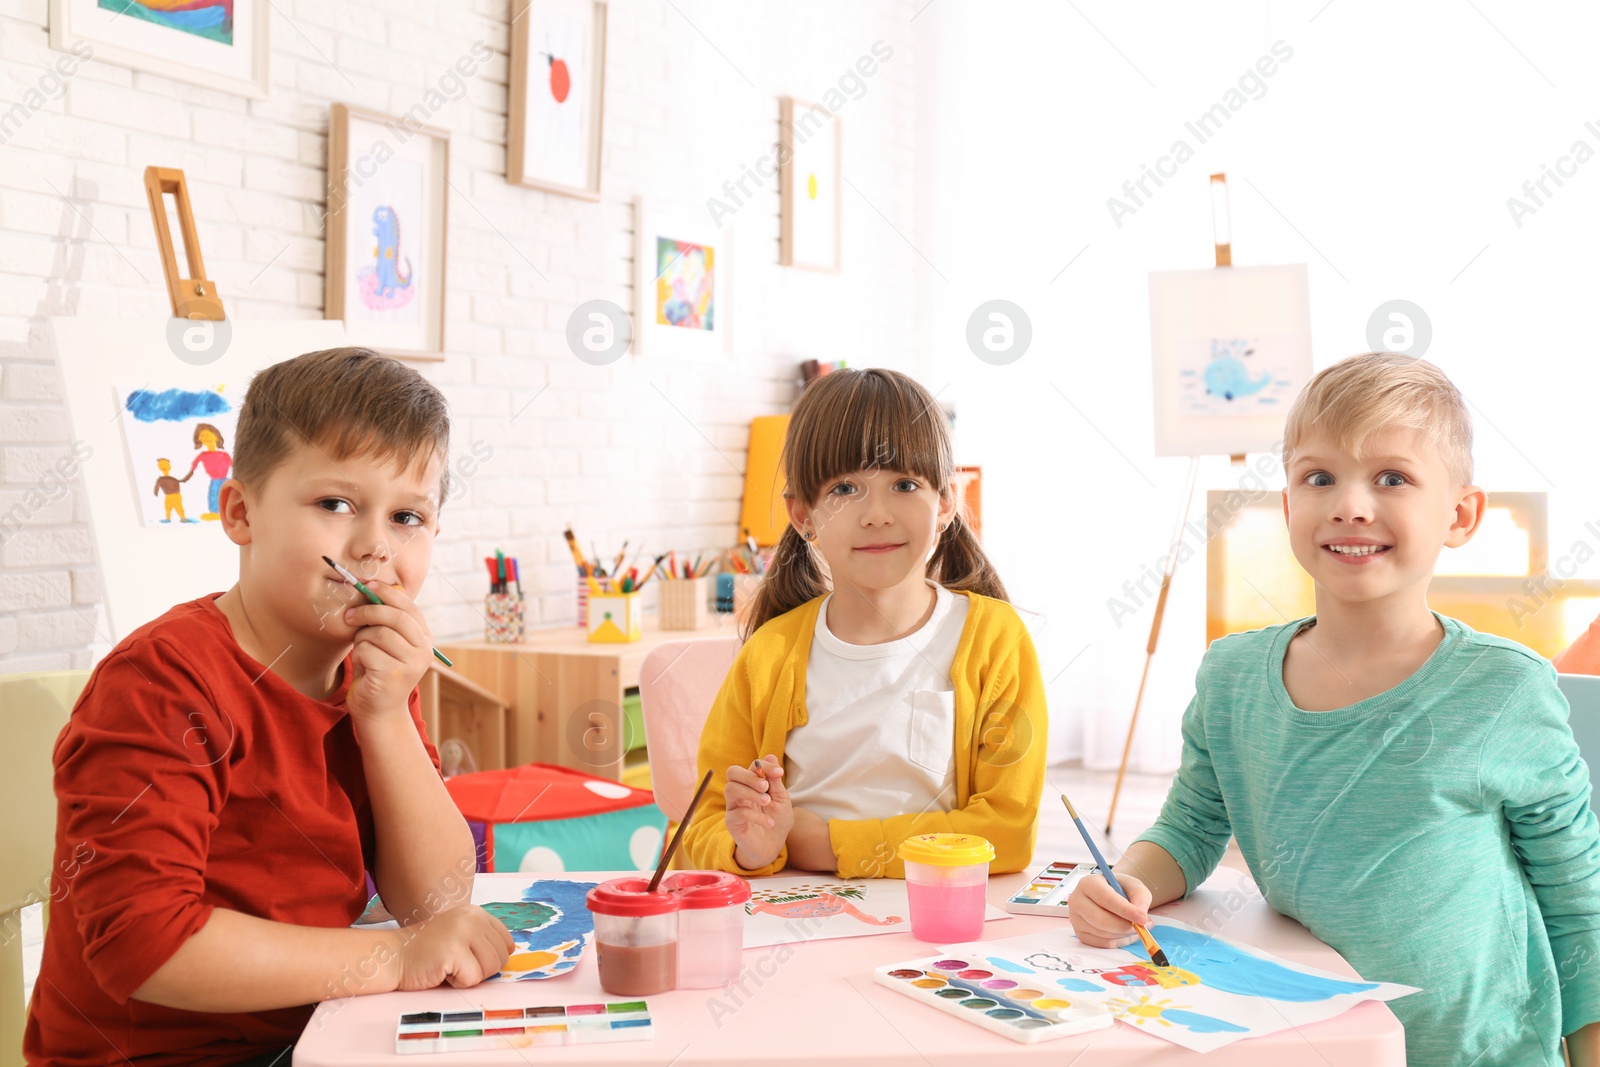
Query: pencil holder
<point x="683" y="603"/>
<point x="502" y="613"/>
<point x="725" y="592"/>
<point x="614" y="618"/>
<point x="744" y="593"/>
<point x="583" y="602"/>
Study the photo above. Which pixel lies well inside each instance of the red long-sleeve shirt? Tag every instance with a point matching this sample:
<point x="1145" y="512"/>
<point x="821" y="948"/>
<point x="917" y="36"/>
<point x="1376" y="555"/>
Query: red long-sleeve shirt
<point x="189" y="778"/>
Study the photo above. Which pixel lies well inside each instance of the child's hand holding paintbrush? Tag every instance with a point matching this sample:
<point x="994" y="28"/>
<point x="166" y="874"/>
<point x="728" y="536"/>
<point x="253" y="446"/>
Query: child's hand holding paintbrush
<point x="1113" y="911"/>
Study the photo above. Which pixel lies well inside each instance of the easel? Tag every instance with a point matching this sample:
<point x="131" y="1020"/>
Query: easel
<point x="194" y="297"/>
<point x="1222" y="240"/>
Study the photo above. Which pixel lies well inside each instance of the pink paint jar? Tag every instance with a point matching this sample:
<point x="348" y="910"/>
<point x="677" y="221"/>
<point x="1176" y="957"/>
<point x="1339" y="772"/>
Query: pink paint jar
<point x="710" y="926"/>
<point x="947" y="884"/>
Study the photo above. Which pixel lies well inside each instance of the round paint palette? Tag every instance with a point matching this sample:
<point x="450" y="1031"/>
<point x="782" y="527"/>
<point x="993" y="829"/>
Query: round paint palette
<point x="978" y="995"/>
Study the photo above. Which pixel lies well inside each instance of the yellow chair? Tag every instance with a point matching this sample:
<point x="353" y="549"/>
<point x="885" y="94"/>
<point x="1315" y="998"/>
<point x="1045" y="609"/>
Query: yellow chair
<point x="33" y="709"/>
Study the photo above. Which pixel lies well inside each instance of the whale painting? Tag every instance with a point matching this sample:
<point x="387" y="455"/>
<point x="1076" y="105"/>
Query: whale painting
<point x="1230" y="350"/>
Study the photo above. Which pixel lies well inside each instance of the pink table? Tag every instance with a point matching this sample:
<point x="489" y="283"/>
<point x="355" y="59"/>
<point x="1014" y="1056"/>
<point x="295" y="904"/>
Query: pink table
<point x="817" y="1003"/>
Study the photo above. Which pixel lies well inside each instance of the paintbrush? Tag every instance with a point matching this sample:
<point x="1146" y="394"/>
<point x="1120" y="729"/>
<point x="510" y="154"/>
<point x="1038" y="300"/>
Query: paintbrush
<point x="688" y="817"/>
<point x="373" y="597"/>
<point x="1157" y="957"/>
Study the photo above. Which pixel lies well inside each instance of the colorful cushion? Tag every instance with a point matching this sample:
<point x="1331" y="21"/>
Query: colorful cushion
<point x="541" y="817"/>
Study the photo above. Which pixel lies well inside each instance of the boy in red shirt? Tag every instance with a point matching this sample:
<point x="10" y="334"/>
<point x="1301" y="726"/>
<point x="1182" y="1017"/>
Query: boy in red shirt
<point x="234" y="768"/>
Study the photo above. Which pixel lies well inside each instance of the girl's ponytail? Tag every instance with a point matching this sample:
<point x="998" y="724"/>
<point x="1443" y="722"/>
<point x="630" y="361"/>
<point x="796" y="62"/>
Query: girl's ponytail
<point x="959" y="563"/>
<point x="793" y="579"/>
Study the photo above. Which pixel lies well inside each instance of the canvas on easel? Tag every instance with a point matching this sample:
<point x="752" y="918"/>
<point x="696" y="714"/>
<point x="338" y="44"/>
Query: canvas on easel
<point x="1231" y="349"/>
<point x="147" y="567"/>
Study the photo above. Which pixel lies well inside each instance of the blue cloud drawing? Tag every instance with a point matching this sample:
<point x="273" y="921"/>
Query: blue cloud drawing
<point x="175" y="405"/>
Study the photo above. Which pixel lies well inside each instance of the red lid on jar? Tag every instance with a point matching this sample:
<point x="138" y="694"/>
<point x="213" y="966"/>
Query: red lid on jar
<point x="630" y="897"/>
<point x="707" y="889"/>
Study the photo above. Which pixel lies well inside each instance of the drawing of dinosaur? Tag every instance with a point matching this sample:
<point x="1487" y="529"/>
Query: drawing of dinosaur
<point x="386" y="228"/>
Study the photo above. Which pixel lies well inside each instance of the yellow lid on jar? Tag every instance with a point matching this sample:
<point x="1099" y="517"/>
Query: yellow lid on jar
<point x="947" y="850"/>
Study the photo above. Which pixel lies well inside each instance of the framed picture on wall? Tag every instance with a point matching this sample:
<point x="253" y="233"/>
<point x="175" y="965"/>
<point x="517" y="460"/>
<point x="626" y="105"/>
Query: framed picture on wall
<point x="808" y="155"/>
<point x="221" y="44"/>
<point x="557" y="95"/>
<point x="682" y="283"/>
<point x="385" y="234"/>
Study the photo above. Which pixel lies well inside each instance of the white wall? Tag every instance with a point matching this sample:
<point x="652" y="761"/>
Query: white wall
<point x="648" y="449"/>
<point x="1382" y="154"/>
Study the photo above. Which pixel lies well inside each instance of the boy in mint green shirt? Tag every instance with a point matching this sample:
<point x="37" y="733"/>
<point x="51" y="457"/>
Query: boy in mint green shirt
<point x="1405" y="787"/>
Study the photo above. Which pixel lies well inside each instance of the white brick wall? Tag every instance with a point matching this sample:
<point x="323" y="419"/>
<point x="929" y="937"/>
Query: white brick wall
<point x="691" y="101"/>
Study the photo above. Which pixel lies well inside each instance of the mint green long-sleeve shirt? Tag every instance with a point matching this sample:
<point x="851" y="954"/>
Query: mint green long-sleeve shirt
<point x="1438" y="834"/>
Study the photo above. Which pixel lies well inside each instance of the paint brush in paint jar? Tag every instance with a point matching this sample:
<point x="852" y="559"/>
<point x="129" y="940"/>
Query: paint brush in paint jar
<point x="1157" y="957"/>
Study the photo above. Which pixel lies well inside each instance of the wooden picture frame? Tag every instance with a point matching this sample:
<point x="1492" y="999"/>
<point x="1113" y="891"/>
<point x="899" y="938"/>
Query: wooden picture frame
<point x="203" y="46"/>
<point x="554" y="102"/>
<point x="401" y="167"/>
<point x="811" y="179"/>
<point x="673" y="254"/>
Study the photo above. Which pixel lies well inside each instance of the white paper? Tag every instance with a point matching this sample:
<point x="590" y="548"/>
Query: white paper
<point x="1215" y="993"/>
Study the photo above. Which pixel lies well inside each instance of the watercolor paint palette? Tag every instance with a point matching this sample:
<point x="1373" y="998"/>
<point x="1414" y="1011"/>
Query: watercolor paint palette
<point x="1046" y="892"/>
<point x="970" y="990"/>
<point x="511" y="1028"/>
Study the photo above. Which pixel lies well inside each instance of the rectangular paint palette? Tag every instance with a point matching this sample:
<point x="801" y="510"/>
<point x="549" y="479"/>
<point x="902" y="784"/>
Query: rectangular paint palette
<point x="1047" y="892"/>
<point x="509" y="1028"/>
<point x="977" y="991"/>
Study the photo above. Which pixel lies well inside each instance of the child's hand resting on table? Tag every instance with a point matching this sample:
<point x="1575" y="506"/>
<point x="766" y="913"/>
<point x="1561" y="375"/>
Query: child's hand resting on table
<point x="462" y="946"/>
<point x="759" y="816"/>
<point x="1099" y="915"/>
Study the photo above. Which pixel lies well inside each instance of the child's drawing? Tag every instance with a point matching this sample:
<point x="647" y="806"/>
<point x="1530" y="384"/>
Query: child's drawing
<point x="796" y="909"/>
<point x="159" y="425"/>
<point x="384" y="285"/>
<point x="811" y="902"/>
<point x="550" y="926"/>
<point x="1214" y="993"/>
<point x="170" y="490"/>
<point x="1236" y="376"/>
<point x="209" y="440"/>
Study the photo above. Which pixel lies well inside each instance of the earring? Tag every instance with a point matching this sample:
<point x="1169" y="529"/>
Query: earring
<point x="806" y="535"/>
<point x="945" y="527"/>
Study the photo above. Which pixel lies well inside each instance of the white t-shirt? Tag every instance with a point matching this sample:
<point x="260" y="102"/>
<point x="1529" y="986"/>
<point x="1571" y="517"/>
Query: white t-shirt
<point x="879" y="738"/>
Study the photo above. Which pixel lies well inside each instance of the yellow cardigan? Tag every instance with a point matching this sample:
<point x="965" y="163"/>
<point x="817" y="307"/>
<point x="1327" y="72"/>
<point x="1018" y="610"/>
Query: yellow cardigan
<point x="999" y="743"/>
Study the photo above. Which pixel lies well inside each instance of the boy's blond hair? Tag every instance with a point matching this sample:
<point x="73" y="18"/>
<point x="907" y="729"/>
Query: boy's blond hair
<point x="345" y="401"/>
<point x="1364" y="395"/>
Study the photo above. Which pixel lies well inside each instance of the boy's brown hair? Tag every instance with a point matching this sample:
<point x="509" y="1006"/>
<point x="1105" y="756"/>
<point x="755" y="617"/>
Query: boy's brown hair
<point x="866" y="420"/>
<point x="347" y="402"/>
<point x="1367" y="394"/>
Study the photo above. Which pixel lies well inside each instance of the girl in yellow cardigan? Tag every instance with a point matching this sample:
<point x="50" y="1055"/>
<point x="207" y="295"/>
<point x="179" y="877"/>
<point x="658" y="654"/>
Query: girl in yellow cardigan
<point x="885" y="687"/>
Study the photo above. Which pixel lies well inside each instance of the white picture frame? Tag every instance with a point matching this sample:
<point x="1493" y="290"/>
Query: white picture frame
<point x="385" y="276"/>
<point x="1230" y="350"/>
<point x="128" y="33"/>
<point x="556" y="98"/>
<point x="674" y="314"/>
<point x="811" y="179"/>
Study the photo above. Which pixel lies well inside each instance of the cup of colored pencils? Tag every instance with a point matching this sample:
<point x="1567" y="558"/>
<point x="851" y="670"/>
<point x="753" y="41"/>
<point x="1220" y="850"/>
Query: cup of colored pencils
<point x="685" y="592"/>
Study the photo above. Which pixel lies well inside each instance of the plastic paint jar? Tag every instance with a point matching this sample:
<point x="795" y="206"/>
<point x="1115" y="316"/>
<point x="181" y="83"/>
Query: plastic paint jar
<point x="710" y="926"/>
<point x="635" y="936"/>
<point x="947" y="884"/>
